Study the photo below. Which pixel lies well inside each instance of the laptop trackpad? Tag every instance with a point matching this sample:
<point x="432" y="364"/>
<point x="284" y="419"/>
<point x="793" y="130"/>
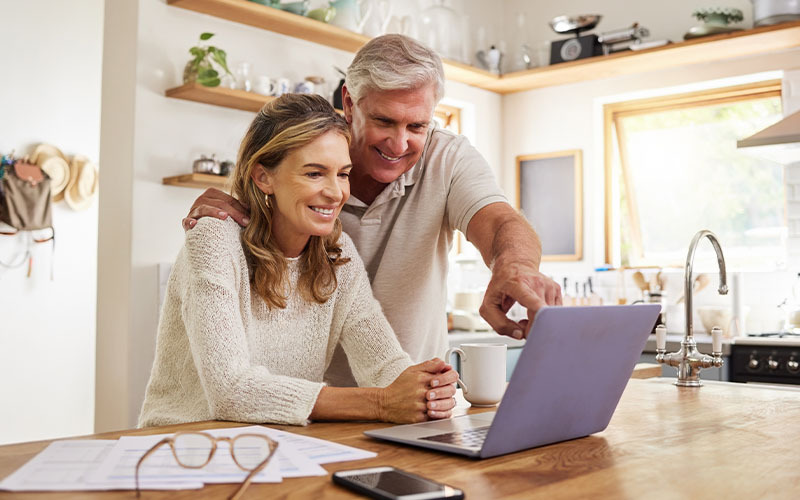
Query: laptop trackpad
<point x="455" y="424"/>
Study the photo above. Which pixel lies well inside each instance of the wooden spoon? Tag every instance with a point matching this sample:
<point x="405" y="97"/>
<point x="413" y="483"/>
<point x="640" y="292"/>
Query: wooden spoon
<point x="642" y="283"/>
<point x="701" y="281"/>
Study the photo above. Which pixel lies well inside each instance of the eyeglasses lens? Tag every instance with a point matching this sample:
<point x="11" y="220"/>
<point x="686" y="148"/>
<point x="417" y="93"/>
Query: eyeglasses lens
<point x="193" y="450"/>
<point x="250" y="451"/>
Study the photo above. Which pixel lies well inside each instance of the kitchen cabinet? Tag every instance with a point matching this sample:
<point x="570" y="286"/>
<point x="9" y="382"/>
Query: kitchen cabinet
<point x="762" y="40"/>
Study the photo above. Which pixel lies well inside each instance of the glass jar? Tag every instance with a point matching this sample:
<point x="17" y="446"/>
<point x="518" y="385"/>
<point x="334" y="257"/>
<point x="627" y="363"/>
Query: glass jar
<point x="440" y="30"/>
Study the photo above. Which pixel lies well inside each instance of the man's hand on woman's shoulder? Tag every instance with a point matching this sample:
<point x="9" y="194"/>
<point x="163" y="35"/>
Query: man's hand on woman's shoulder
<point x="215" y="203"/>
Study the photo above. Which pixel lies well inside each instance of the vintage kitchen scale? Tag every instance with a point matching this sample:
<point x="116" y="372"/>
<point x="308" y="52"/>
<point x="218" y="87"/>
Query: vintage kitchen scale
<point x="583" y="46"/>
<point x="579" y="47"/>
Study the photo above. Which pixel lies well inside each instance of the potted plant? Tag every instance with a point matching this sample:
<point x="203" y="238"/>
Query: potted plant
<point x="201" y="67"/>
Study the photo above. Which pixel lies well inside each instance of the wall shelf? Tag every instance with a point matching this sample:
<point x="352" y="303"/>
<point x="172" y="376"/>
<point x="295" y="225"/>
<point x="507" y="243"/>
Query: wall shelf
<point x="286" y="23"/>
<point x="699" y="50"/>
<point x="733" y="45"/>
<point x="220" y="96"/>
<point x="197" y="181"/>
<point x="217" y="96"/>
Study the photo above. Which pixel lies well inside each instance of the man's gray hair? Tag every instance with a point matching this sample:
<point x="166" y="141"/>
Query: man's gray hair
<point x="394" y="62"/>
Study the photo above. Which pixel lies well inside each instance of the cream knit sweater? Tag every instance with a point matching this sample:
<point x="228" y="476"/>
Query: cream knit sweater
<point x="222" y="354"/>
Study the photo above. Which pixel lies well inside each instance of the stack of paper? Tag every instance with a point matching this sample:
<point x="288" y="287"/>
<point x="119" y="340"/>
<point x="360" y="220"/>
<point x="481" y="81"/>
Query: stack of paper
<point x="111" y="465"/>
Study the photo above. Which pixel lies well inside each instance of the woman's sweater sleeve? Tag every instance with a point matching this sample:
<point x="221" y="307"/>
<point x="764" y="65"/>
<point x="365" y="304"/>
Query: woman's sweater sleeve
<point x="236" y="390"/>
<point x="375" y="355"/>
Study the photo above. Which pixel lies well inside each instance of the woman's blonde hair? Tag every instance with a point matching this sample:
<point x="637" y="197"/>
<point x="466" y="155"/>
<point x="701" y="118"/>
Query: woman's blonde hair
<point x="289" y="122"/>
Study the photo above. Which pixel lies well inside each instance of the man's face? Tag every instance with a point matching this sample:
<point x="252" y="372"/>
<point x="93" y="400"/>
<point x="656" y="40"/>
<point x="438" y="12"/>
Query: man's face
<point x="389" y="129"/>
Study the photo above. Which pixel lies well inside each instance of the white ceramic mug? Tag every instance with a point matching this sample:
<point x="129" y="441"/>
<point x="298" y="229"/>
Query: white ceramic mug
<point x="264" y="85"/>
<point x="483" y="372"/>
<point x="282" y="86"/>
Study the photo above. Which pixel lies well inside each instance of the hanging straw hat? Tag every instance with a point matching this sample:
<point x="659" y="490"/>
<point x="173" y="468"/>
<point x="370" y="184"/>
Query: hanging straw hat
<point x="82" y="185"/>
<point x="53" y="162"/>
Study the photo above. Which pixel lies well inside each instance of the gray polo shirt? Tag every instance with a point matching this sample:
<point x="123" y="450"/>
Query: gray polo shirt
<point x="405" y="235"/>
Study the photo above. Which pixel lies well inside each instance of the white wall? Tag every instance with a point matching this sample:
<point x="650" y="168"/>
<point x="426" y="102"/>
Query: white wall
<point x="50" y="93"/>
<point x="167" y="135"/>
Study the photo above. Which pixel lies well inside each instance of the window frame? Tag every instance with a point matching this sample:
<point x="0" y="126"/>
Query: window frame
<point x="613" y="112"/>
<point x="450" y="117"/>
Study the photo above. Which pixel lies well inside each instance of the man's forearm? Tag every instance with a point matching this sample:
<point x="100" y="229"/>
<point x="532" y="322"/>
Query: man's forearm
<point x="500" y="233"/>
<point x="511" y="248"/>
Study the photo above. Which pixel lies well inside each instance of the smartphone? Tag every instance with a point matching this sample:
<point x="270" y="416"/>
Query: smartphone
<point x="388" y="483"/>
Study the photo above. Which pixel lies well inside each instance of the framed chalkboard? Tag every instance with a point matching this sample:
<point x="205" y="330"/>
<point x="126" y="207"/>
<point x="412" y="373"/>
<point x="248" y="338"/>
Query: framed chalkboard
<point x="550" y="196"/>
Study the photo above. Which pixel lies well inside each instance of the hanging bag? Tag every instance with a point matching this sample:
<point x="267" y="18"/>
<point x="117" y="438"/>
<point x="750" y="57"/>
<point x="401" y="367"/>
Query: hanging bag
<point x="25" y="203"/>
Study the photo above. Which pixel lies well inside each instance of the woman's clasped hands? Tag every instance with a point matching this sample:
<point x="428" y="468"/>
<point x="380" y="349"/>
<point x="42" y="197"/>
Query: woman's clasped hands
<point x="425" y="391"/>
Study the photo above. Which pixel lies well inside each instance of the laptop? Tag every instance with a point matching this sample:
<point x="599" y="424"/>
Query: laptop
<point x="567" y="382"/>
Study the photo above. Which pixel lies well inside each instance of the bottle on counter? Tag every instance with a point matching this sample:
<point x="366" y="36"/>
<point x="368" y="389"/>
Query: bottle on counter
<point x="566" y="298"/>
<point x="594" y="299"/>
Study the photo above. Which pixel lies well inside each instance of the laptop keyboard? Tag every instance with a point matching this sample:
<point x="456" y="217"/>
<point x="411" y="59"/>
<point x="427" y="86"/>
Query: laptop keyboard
<point x="470" y="438"/>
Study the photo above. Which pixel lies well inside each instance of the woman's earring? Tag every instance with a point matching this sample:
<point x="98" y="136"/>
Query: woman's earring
<point x="266" y="200"/>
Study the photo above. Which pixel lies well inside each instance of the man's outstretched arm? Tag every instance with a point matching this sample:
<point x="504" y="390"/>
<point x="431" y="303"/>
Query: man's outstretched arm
<point x="512" y="250"/>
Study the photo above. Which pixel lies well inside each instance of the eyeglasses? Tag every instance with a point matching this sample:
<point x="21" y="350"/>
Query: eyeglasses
<point x="193" y="450"/>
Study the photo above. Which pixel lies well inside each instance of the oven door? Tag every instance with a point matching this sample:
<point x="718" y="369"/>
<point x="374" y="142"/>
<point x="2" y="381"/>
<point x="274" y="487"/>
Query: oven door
<point x="761" y="364"/>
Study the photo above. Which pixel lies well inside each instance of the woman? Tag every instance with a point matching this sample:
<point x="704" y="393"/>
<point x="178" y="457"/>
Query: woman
<point x="252" y="316"/>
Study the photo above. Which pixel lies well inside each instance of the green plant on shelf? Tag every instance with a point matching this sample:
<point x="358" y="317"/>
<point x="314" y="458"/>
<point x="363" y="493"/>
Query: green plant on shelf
<point x="200" y="69"/>
<point x="721" y="16"/>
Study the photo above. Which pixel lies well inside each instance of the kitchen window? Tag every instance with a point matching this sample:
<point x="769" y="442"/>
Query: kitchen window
<point x="672" y="168"/>
<point x="448" y="117"/>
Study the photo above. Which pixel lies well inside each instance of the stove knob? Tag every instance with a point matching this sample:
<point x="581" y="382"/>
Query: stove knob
<point x="772" y="364"/>
<point x="792" y="365"/>
<point x="753" y="363"/>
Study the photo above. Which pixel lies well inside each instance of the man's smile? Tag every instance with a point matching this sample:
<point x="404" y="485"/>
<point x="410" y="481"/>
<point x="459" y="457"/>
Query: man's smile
<point x="387" y="157"/>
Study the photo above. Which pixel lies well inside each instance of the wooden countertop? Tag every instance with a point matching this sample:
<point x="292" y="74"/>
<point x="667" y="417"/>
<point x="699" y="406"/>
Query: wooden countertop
<point x="722" y="440"/>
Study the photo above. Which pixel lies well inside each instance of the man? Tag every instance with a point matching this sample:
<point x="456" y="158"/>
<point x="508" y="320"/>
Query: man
<point x="411" y="185"/>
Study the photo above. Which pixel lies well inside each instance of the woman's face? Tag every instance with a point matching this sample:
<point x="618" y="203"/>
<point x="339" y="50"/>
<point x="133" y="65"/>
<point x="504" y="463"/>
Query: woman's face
<point x="310" y="185"/>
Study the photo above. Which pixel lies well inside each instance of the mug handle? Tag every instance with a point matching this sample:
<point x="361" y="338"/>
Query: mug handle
<point x="462" y="356"/>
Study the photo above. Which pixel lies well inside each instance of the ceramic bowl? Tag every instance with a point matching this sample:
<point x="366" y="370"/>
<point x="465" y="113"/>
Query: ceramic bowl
<point x="712" y="316"/>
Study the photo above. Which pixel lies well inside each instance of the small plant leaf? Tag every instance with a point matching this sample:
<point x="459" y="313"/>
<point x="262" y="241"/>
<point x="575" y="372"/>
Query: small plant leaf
<point x="207" y="73"/>
<point x="220" y="57"/>
<point x="213" y="82"/>
<point x="206" y="36"/>
<point x="208" y="76"/>
<point x="197" y="52"/>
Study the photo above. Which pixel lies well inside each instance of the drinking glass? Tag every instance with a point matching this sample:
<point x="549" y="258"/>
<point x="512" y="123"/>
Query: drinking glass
<point x="243" y="79"/>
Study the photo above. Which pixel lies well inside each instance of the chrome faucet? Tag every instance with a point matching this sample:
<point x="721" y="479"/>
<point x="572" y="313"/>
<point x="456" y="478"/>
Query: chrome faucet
<point x="688" y="359"/>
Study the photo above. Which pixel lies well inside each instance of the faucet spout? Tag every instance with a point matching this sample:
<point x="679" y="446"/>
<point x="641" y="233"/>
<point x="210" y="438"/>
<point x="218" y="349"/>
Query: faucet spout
<point x="723" y="281"/>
